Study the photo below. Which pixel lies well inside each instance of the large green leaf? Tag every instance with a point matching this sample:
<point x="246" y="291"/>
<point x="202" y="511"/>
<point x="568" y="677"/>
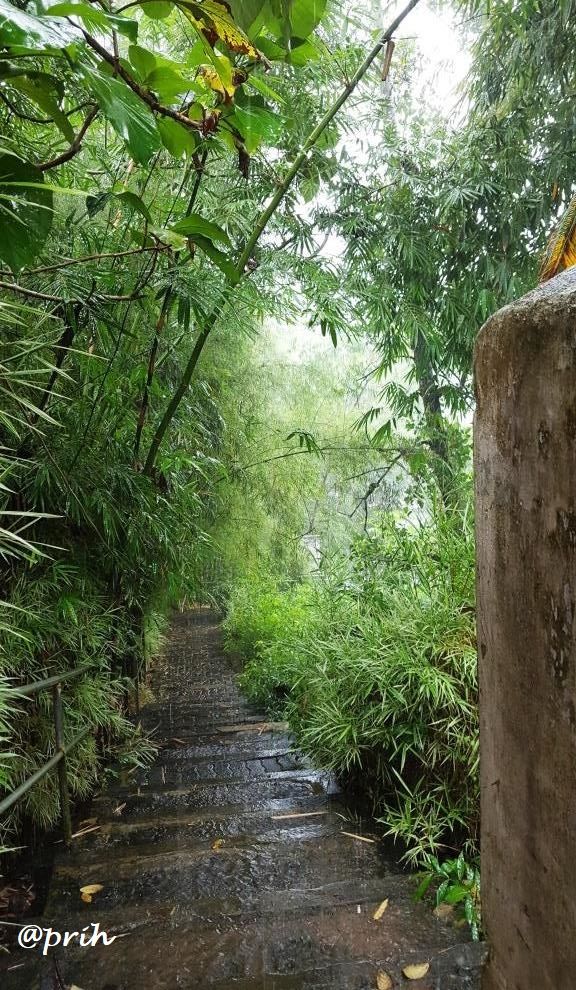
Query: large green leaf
<point x="176" y="139"/>
<point x="94" y="18"/>
<point x="167" y="82"/>
<point x="129" y="116"/>
<point x="43" y="89"/>
<point x="256" y="124"/>
<point x="143" y="60"/>
<point x="303" y="52"/>
<point x="295" y="21"/>
<point x="157" y="10"/>
<point x="194" y="225"/>
<point x="20" y="29"/>
<point x="305" y="16"/>
<point x="91" y="17"/>
<point x="221" y="260"/>
<point x="273" y="51"/>
<point x="134" y="202"/>
<point x="25" y="211"/>
<point x="256" y="82"/>
<point x="245" y="12"/>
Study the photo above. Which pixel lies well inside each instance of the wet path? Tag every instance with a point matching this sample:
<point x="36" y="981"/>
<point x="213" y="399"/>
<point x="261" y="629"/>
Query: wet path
<point x="212" y="876"/>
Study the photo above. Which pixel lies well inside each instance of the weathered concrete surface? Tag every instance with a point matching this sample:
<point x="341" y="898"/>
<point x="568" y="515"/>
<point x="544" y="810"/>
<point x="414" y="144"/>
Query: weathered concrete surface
<point x="525" y="462"/>
<point x="213" y="888"/>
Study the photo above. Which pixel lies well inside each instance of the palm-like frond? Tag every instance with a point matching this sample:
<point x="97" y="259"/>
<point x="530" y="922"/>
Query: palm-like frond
<point x="561" y="249"/>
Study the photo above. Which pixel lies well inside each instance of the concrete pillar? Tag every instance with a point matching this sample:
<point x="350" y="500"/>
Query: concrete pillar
<point x="525" y="465"/>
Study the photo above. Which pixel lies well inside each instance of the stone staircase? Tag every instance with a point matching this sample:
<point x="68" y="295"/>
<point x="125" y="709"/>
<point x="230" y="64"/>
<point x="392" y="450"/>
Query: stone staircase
<point x="225" y="865"/>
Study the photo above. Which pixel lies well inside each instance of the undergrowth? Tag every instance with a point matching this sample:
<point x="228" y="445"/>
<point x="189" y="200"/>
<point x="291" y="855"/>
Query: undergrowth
<point x="374" y="666"/>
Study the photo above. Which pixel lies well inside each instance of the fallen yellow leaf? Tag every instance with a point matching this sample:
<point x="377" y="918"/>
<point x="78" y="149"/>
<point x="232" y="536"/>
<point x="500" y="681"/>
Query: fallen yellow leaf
<point x="384" y="981"/>
<point x="417" y="971"/>
<point x="380" y="910"/>
<point x="87" y="892"/>
<point x="217" y="844"/>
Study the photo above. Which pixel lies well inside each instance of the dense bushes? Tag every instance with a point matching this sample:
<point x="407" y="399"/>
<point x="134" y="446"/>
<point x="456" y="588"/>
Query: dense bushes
<point x="92" y="554"/>
<point x="374" y="665"/>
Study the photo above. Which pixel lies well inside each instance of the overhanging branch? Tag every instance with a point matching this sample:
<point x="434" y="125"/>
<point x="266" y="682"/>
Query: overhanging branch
<point x="259" y="228"/>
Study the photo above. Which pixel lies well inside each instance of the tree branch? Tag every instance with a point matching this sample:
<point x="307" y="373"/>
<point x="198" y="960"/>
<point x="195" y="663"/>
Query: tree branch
<point x="46" y="297"/>
<point x="312" y="138"/>
<point x="200" y="165"/>
<point x="259" y="228"/>
<point x="89" y="257"/>
<point x="76" y="145"/>
<point x="145" y="95"/>
<point x="183" y="384"/>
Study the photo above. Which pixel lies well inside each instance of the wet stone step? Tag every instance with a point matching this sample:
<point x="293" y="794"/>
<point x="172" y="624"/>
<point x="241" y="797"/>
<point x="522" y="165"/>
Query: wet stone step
<point x="187" y="875"/>
<point x="145" y="916"/>
<point x="194" y="843"/>
<point x="261" y="810"/>
<point x="294" y="909"/>
<point x="169" y="774"/>
<point x="186" y="831"/>
<point x="234" y="747"/>
<point x="336" y="942"/>
<point x="223" y="734"/>
<point x="222" y="703"/>
<point x="196" y="722"/>
<point x="209" y="794"/>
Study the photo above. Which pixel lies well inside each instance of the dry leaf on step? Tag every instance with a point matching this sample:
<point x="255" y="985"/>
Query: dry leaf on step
<point x="417" y="971"/>
<point x="443" y="911"/>
<point x="384" y="981"/>
<point x="119" y="809"/>
<point x="380" y="910"/>
<point x="87" y="892"/>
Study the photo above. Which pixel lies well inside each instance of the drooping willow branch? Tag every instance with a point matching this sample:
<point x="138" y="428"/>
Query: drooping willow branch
<point x="259" y="228"/>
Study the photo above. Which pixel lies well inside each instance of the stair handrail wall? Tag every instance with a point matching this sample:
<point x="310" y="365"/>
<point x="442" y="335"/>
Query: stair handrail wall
<point x="61" y="749"/>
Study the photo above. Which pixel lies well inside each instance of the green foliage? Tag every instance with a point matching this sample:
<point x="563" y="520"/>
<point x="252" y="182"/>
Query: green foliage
<point x="25" y="211"/>
<point x="137" y="88"/>
<point x="260" y="614"/>
<point x="376" y="672"/>
<point x="456" y="883"/>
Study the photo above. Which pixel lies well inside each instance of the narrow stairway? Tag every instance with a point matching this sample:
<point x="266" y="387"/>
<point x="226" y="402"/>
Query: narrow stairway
<point x="227" y="864"/>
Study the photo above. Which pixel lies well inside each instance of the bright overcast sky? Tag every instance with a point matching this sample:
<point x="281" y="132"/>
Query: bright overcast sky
<point x="439" y="41"/>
